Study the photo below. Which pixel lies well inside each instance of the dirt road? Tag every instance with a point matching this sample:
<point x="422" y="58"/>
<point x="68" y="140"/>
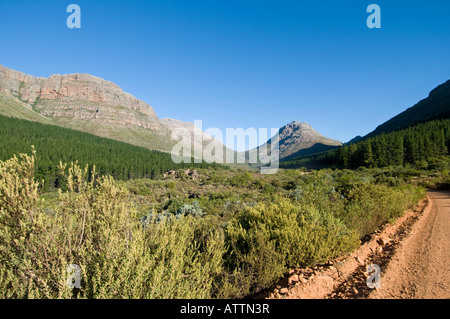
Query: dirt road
<point x="413" y="255"/>
<point x="420" y="266"/>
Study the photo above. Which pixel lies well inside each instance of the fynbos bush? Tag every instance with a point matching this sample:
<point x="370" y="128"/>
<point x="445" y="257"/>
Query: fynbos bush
<point x="96" y="228"/>
<point x="180" y="250"/>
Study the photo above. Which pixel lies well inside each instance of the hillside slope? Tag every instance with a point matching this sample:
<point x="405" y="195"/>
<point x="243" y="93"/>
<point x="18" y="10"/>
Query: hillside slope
<point x="14" y="108"/>
<point x="435" y="106"/>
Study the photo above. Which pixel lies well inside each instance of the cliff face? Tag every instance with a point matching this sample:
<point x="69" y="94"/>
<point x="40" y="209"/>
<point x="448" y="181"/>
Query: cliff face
<point x="79" y="97"/>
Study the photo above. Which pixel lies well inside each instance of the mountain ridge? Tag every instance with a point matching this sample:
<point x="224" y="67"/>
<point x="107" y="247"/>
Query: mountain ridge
<point x="93" y="105"/>
<point x="435" y="106"/>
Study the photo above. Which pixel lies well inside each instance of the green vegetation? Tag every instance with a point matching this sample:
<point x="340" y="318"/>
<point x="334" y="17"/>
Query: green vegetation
<point x="10" y="107"/>
<point x="420" y="145"/>
<point x="96" y="228"/>
<point x="120" y="160"/>
<point x="415" y="145"/>
<point x="202" y="231"/>
<point x="214" y="234"/>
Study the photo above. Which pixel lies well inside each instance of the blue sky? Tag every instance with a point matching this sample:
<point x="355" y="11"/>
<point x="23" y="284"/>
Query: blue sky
<point x="243" y="63"/>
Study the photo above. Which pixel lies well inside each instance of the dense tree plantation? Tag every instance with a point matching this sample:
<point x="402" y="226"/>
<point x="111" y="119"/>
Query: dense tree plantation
<point x="416" y="145"/>
<point x="54" y="144"/>
<point x="413" y="145"/>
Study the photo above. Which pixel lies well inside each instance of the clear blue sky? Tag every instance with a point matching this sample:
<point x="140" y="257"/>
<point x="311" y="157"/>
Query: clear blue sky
<point x="243" y="63"/>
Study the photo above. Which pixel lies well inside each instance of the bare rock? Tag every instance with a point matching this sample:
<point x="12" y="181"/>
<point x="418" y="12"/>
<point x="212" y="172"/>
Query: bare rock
<point x="383" y="241"/>
<point x="284" y="291"/>
<point x="294" y="278"/>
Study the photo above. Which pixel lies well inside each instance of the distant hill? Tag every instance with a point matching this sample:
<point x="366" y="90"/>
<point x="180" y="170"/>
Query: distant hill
<point x="300" y="139"/>
<point x="436" y="106"/>
<point x="198" y="146"/>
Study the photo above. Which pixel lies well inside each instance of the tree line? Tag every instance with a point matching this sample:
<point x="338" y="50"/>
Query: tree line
<point x="412" y="145"/>
<point x="54" y="144"/>
<point x="408" y="146"/>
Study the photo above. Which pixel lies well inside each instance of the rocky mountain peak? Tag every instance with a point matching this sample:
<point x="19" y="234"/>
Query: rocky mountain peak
<point x="296" y="128"/>
<point x="296" y="138"/>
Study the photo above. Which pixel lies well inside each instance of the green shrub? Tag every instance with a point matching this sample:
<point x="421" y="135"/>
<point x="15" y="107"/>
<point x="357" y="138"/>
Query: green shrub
<point x="193" y="209"/>
<point x="266" y="239"/>
<point x="371" y="205"/>
<point x="97" y="228"/>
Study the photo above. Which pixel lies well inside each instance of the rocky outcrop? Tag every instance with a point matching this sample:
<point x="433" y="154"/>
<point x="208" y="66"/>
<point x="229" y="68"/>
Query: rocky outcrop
<point x="79" y="97"/>
<point x="297" y="136"/>
<point x="195" y="132"/>
<point x="298" y="139"/>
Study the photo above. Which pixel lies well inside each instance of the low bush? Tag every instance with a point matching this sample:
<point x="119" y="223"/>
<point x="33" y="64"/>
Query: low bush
<point x="180" y="249"/>
<point x="96" y="228"/>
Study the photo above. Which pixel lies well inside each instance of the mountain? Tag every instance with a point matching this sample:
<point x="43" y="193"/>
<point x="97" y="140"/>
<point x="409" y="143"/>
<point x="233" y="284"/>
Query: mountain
<point x="300" y="139"/>
<point x="86" y="103"/>
<point x="435" y="106"/>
